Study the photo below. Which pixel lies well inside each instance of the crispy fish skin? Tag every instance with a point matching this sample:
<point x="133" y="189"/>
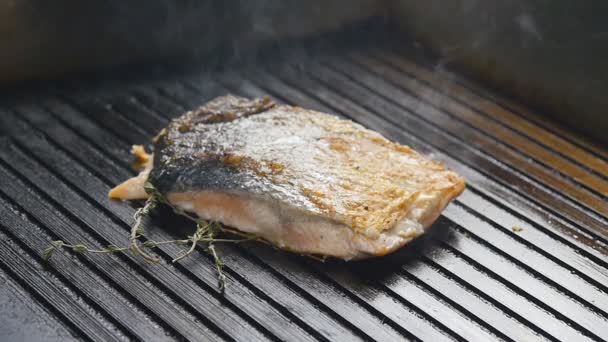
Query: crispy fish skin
<point x="303" y="180"/>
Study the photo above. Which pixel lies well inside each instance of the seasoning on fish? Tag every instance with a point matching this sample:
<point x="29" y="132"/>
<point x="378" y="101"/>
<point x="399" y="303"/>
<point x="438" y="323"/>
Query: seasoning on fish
<point x="305" y="181"/>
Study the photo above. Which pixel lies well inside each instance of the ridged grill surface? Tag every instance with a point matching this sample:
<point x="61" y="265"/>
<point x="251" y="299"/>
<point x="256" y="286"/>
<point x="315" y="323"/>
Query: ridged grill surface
<point x="471" y="278"/>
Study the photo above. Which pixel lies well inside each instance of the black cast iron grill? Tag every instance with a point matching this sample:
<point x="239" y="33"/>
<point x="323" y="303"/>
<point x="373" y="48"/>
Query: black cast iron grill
<point x="473" y="277"/>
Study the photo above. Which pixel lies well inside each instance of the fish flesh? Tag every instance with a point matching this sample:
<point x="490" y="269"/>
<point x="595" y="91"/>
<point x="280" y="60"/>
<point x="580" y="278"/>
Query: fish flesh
<point x="305" y="181"/>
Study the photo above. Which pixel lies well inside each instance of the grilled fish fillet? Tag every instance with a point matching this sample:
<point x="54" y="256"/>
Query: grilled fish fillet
<point x="303" y="180"/>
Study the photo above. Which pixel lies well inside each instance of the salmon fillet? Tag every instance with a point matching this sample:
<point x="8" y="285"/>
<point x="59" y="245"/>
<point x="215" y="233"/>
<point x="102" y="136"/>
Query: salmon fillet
<point x="306" y="181"/>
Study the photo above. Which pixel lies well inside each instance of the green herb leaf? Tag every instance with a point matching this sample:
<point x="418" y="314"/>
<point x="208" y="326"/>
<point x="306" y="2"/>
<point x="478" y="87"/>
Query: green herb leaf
<point x="149" y="188"/>
<point x="47" y="253"/>
<point x="113" y="248"/>
<point x="149" y="244"/>
<point x="80" y="248"/>
<point x="57" y="243"/>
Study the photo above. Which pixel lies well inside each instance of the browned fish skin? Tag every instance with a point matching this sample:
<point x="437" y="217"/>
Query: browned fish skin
<point x="304" y="180"/>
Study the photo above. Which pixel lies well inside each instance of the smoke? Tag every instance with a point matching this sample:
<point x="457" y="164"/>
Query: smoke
<point x="528" y="26"/>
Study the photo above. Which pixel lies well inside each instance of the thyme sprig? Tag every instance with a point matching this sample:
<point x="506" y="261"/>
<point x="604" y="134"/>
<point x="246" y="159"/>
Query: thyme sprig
<point x="137" y="229"/>
<point x="205" y="233"/>
<point x="219" y="265"/>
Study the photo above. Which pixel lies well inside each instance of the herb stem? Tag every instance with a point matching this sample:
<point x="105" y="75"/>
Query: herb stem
<point x="196" y="237"/>
<point x="168" y="242"/>
<point x="137" y="230"/>
<point x="98" y="251"/>
<point x="219" y="265"/>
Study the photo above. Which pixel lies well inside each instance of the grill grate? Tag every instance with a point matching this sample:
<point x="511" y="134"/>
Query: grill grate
<point x="471" y="278"/>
